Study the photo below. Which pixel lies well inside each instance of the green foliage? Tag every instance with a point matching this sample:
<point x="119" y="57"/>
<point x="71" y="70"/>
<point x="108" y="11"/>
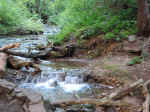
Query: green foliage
<point x="84" y="18"/>
<point x="135" y="60"/>
<point x="15" y="17"/>
<point x="110" y="35"/>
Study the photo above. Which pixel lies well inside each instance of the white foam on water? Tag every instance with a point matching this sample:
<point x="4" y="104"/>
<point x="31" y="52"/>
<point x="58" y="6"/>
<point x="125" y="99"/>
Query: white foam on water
<point x="47" y="85"/>
<point x="73" y="87"/>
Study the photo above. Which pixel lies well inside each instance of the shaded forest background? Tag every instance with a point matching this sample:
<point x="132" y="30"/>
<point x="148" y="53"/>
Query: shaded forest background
<point x="116" y="19"/>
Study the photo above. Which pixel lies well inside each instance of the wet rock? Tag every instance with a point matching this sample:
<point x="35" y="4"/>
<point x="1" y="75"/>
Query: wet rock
<point x="6" y="86"/>
<point x="132" y="38"/>
<point x="18" y="62"/>
<point x="37" y="107"/>
<point x="25" y="64"/>
<point x="59" y="110"/>
<point x="28" y="44"/>
<point x="61" y="76"/>
<point x="32" y="96"/>
<point x="19" y="100"/>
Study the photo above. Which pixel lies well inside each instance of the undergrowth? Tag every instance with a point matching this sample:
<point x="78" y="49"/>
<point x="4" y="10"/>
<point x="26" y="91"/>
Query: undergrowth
<point x="14" y="17"/>
<point x="85" y="18"/>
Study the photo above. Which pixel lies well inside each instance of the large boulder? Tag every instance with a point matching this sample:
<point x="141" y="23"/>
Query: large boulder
<point x="14" y="99"/>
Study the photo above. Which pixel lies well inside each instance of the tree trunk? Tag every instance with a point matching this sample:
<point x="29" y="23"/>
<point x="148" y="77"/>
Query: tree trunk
<point x="143" y="18"/>
<point x="38" y="6"/>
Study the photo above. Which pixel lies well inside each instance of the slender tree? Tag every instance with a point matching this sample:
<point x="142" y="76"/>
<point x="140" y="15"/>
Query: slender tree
<point x="143" y="18"/>
<point x="38" y="5"/>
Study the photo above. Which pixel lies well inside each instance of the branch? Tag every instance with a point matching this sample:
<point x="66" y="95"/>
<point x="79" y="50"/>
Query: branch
<point x="106" y="101"/>
<point x="97" y="102"/>
<point x="146" y="104"/>
<point x="123" y="92"/>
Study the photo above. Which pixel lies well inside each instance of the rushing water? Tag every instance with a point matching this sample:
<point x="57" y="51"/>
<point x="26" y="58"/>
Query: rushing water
<point x="58" y="80"/>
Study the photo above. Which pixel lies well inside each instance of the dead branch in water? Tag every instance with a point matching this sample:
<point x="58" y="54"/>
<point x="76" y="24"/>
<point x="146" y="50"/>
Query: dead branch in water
<point x="124" y="91"/>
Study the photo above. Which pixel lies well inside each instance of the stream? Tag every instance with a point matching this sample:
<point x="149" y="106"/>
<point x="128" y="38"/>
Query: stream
<point x="59" y="80"/>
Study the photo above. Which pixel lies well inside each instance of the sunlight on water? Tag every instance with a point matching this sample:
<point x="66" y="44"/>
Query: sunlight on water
<point x="47" y="85"/>
<point x="70" y="88"/>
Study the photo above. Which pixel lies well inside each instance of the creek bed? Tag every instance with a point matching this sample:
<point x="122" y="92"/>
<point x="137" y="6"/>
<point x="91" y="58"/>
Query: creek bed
<point x="58" y="80"/>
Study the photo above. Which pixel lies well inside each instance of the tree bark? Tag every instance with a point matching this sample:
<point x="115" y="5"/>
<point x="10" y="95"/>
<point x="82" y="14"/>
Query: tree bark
<point x="146" y="105"/>
<point x="38" y="2"/>
<point x="143" y="18"/>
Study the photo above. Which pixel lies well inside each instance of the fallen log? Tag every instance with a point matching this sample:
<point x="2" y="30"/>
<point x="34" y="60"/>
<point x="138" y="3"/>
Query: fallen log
<point x="53" y="52"/>
<point x="41" y="54"/>
<point x="3" y="63"/>
<point x="106" y="101"/>
<point x="124" y="91"/>
<point x="146" y="104"/>
<point x="97" y="102"/>
<point x="6" y="49"/>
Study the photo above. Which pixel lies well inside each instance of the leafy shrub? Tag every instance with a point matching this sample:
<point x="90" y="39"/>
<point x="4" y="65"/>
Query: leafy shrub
<point x="84" y="18"/>
<point x="15" y="17"/>
<point x="135" y="60"/>
<point x="110" y="35"/>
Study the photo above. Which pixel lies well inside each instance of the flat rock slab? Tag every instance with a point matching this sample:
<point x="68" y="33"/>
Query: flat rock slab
<point x="30" y="44"/>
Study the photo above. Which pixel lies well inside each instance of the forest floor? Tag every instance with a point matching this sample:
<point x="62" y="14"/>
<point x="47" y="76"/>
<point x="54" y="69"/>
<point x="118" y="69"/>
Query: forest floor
<point x="112" y="68"/>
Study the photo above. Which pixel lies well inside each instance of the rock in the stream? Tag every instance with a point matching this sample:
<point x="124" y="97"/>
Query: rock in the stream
<point x="59" y="110"/>
<point x="18" y="62"/>
<point x="26" y="64"/>
<point x="19" y="100"/>
<point x="132" y="38"/>
<point x="3" y="62"/>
